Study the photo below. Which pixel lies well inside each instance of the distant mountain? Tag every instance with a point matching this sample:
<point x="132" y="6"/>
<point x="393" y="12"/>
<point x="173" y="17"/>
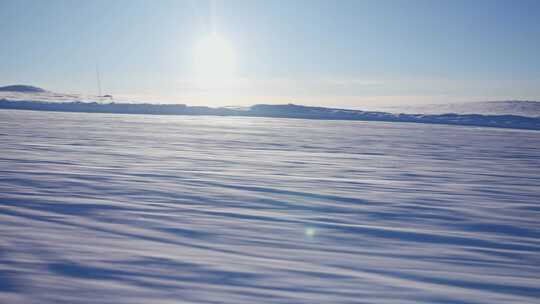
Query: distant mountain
<point x="22" y="89"/>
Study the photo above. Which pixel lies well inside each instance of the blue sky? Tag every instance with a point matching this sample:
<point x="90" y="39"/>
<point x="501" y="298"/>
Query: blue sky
<point x="330" y="53"/>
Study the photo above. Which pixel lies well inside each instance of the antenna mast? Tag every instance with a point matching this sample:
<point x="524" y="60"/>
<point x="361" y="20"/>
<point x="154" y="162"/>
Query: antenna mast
<point x="98" y="81"/>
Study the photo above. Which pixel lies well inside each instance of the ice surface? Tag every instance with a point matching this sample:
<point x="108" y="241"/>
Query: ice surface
<point x="105" y="208"/>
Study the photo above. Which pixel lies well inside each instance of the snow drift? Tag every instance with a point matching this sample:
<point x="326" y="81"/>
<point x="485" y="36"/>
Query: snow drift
<point x="283" y="111"/>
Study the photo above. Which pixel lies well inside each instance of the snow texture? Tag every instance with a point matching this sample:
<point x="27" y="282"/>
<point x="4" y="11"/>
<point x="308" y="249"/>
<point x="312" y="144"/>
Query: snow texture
<point x="511" y="107"/>
<point x="107" y="208"/>
<point x="284" y="111"/>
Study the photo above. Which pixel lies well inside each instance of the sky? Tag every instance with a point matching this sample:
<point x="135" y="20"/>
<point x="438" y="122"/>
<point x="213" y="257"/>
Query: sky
<point x="330" y="53"/>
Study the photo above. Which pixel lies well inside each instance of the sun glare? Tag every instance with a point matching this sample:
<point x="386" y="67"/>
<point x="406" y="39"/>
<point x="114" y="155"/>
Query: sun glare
<point x="214" y="59"/>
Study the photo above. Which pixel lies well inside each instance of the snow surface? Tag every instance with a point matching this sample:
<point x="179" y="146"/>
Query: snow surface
<point x="105" y="208"/>
<point x="510" y="107"/>
<point x="47" y="96"/>
<point x="281" y="111"/>
<point x="504" y="107"/>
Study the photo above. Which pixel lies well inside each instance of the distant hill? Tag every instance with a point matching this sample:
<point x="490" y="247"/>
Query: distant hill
<point x="281" y="111"/>
<point x="22" y="89"/>
<point x="509" y="107"/>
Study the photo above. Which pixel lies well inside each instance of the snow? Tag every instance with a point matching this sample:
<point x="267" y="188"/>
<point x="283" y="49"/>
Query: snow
<point x="46" y="96"/>
<point x="282" y="111"/>
<point x="509" y="107"/>
<point x="106" y="208"/>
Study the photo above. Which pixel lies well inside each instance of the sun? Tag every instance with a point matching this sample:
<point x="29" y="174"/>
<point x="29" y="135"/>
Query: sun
<point x="214" y="59"/>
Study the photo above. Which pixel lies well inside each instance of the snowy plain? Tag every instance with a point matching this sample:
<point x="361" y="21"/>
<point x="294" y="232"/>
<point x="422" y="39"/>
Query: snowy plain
<point x="110" y="208"/>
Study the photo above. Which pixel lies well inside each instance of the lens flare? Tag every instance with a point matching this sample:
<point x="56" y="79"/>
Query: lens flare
<point x="310" y="232"/>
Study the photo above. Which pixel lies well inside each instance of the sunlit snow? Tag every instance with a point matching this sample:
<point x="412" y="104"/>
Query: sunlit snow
<point x="105" y="208"/>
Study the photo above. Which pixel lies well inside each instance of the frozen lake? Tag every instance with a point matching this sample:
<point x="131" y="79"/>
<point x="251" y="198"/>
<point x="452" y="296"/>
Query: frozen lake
<point x="103" y="208"/>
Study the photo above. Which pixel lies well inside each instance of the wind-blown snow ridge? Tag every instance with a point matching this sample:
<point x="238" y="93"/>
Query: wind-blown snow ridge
<point x="507" y="107"/>
<point x="282" y="111"/>
<point x="97" y="208"/>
